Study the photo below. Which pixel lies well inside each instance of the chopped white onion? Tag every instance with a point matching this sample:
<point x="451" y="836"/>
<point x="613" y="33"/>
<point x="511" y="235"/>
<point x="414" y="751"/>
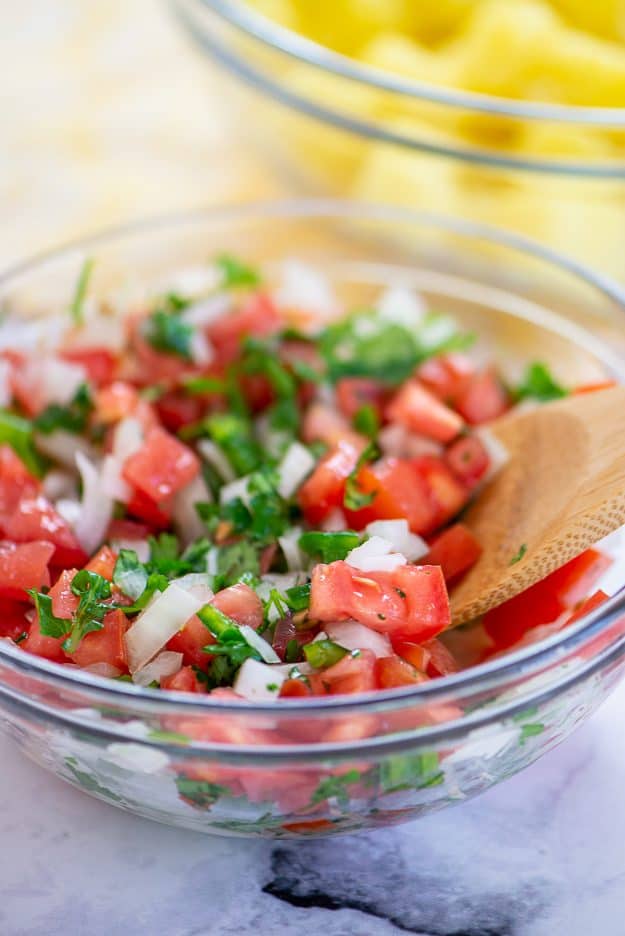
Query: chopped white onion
<point x="113" y="485"/>
<point x="201" y="350"/>
<point x="138" y="758"/>
<point x="258" y="682"/>
<point x="52" y="380"/>
<point x="402" y="306"/>
<point x="192" y="281"/>
<point x="6" y="394"/>
<point x="273" y="441"/>
<point x="211" y="453"/>
<point x="335" y="521"/>
<point x="96" y="510"/>
<point x="163" y="618"/>
<point x="397" y="533"/>
<point x="289" y="544"/>
<point x="58" y="483"/>
<point x="304" y="287"/>
<point x="259" y="643"/>
<point x="436" y="330"/>
<point x="165" y="664"/>
<point x="198" y="584"/>
<point x="322" y="635"/>
<point x="375" y="555"/>
<point x="100" y="330"/>
<point x="206" y="311"/>
<point x="354" y="636"/>
<point x="42" y="334"/>
<point x="186" y="520"/>
<point x="140" y="546"/>
<point x="69" y="509"/>
<point x="293" y="469"/>
<point x="212" y="561"/>
<point x="63" y="447"/>
<point x="235" y="489"/>
<point x="102" y="669"/>
<point x="498" y="454"/>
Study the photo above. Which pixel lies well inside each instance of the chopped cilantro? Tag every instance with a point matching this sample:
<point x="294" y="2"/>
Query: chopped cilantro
<point x="18" y="433"/>
<point x="272" y="687"/>
<point x="362" y="346"/>
<point x="72" y="418"/>
<point x="93" y="591"/>
<point x="261" y="357"/>
<point x="166" y="560"/>
<point x="367" y="420"/>
<point x="530" y="731"/>
<point x="231" y="648"/>
<point x="519" y="555"/>
<point x="354" y="498"/>
<point x="49" y="624"/>
<point x="166" y="331"/>
<point x="329" y="547"/>
<point x="234" y="561"/>
<point x="200" y="793"/>
<point x="235" y="273"/>
<point x="202" y="385"/>
<point x="323" y="653"/>
<point x="539" y="384"/>
<point x="130" y="575"/>
<point x="234" y="435"/>
<point x="292" y="651"/>
<point x="76" y="309"/>
<point x="412" y="771"/>
<point x="298" y="597"/>
<point x="335" y="788"/>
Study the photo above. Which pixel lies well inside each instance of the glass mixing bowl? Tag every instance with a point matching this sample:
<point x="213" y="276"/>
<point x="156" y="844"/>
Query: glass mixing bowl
<point x="555" y="173"/>
<point x="334" y="764"/>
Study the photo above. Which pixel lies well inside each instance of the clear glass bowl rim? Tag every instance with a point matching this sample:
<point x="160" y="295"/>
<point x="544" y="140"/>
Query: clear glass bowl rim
<point x="522" y="663"/>
<point x="240" y="15"/>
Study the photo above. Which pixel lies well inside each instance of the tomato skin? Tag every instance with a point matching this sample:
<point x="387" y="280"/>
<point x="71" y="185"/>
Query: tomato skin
<point x="64" y="601"/>
<point x="151" y="366"/>
<point x="242" y="604"/>
<point x="442" y="661"/>
<point x="410" y="602"/>
<point x="484" y="399"/>
<point x="323" y="491"/>
<point x="103" y="563"/>
<point x="106" y="645"/>
<point x="99" y="363"/>
<point x="413" y="653"/>
<point x="257" y="317"/>
<point x="15" y="480"/>
<point x="23" y="566"/>
<point x="176" y="409"/>
<point x="394" y="672"/>
<point x="420" y="411"/>
<point x="185" y="680"/>
<point x="127" y="530"/>
<point x="190" y="641"/>
<point x="119" y="400"/>
<point x="34" y="518"/>
<point x="294" y="689"/>
<point x="162" y="466"/>
<point x="468" y="460"/>
<point x="40" y="645"/>
<point x="323" y="423"/>
<point x="587" y="606"/>
<point x="447" y="376"/>
<point x="13" y="621"/>
<point x="446" y="492"/>
<point x="349" y="675"/>
<point x="456" y="550"/>
<point x="156" y="516"/>
<point x="352" y="393"/>
<point x="400" y="492"/>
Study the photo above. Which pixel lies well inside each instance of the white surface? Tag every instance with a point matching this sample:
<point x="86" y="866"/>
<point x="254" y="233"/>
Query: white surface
<point x="541" y="855"/>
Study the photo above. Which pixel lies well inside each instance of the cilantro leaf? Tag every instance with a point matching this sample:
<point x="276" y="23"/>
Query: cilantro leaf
<point x="73" y="418"/>
<point x="18" y="433"/>
<point x="166" y="560"/>
<point x="76" y="309"/>
<point x="230" y="648"/>
<point x="234" y="561"/>
<point x="530" y="731"/>
<point x="166" y="331"/>
<point x="329" y="546"/>
<point x="130" y="575"/>
<point x="410" y="771"/>
<point x="49" y="624"/>
<point x="92" y="590"/>
<point x="517" y="558"/>
<point x="298" y="597"/>
<point x="363" y="346"/>
<point x="539" y="384"/>
<point x="233" y="434"/>
<point x="367" y="420"/>
<point x="235" y="273"/>
<point x="354" y="498"/>
<point x="200" y="793"/>
<point x="335" y="788"/>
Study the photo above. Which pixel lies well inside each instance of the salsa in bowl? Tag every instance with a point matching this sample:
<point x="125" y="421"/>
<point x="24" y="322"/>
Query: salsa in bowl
<point x="232" y="494"/>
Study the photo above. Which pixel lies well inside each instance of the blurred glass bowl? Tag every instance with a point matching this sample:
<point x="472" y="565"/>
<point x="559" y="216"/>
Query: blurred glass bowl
<point x="553" y="172"/>
<point x="334" y="764"/>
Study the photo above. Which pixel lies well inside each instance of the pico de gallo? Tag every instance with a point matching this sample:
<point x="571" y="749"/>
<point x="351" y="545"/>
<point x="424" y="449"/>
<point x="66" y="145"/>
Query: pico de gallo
<point x="235" y="487"/>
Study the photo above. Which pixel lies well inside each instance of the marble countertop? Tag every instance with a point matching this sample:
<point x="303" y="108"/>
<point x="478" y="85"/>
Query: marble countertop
<point x="541" y="855"/>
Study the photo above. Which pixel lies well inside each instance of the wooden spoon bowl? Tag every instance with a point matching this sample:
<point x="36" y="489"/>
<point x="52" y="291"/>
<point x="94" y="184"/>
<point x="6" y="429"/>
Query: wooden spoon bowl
<point x="562" y="490"/>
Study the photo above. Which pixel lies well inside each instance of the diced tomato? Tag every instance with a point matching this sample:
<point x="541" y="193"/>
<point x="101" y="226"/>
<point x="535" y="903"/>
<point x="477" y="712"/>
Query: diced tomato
<point x="585" y="607"/>
<point x="15" y="480"/>
<point x="294" y="689"/>
<point x="420" y="411"/>
<point x="241" y="603"/>
<point x="447" y="375"/>
<point x="293" y="352"/>
<point x="190" y="641"/>
<point x="162" y="466"/>
<point x="323" y="491"/>
<point x="257" y="317"/>
<point x="106" y="645"/>
<point x="400" y="491"/>
<point x="156" y="516"/>
<point x="64" y="601"/>
<point x="23" y="566"/>
<point x="322" y="423"/>
<point x="349" y="675"/>
<point x="442" y="661"/>
<point x="352" y="393"/>
<point x="285" y="631"/>
<point x="413" y="653"/>
<point x="544" y="602"/>
<point x="40" y="645"/>
<point x="177" y="409"/>
<point x="151" y="366"/>
<point x="34" y="518"/>
<point x="185" y="680"/>
<point x="99" y="363"/>
<point x="593" y="387"/>
<point x="127" y="530"/>
<point x="446" y="492"/>
<point x="103" y="563"/>
<point x="13" y="621"/>
<point x="484" y="399"/>
<point x="456" y="550"/>
<point x="115" y="402"/>
<point x="468" y="459"/>
<point x="410" y="602"/>
<point x="393" y="672"/>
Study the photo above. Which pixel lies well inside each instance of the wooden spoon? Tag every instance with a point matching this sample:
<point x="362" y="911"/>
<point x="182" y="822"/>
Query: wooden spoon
<point x="562" y="490"/>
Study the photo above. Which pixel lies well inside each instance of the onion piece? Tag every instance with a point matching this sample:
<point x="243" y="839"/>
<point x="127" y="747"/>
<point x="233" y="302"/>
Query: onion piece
<point x="96" y="511"/>
<point x="498" y="454"/>
<point x="397" y="533"/>
<point x="102" y="669"/>
<point x="399" y="442"/>
<point x="201" y="350"/>
<point x="52" y="380"/>
<point x="293" y="469"/>
<point x="101" y="329"/>
<point x="211" y="453"/>
<point x="258" y="682"/>
<point x="206" y="311"/>
<point x="401" y="306"/>
<point x="69" y="509"/>
<point x="58" y="483"/>
<point x="192" y="281"/>
<point x="185" y="517"/>
<point x="354" y="636"/>
<point x="113" y="485"/>
<point x="63" y="447"/>
<point x="375" y="555"/>
<point x="140" y="546"/>
<point x="289" y="544"/>
<point x="198" y="584"/>
<point x="259" y="643"/>
<point x="304" y="287"/>
<point x="386" y="563"/>
<point x="235" y="489"/>
<point x="6" y="394"/>
<point x="165" y="664"/>
<point x="163" y="617"/>
<point x="335" y="521"/>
